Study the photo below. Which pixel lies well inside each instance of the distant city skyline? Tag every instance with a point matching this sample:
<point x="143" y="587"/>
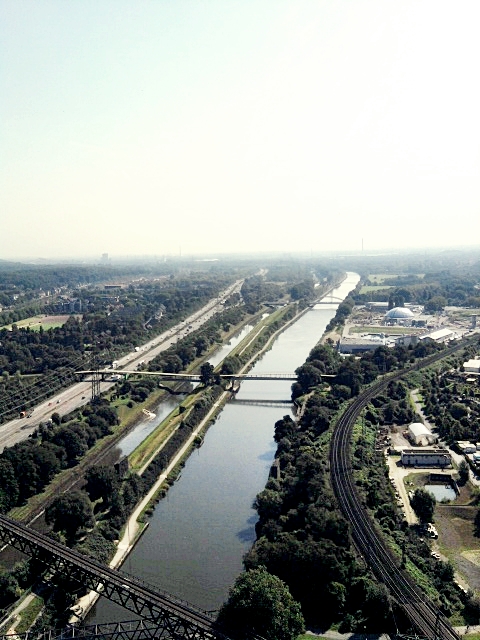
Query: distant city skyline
<point x="136" y="129"/>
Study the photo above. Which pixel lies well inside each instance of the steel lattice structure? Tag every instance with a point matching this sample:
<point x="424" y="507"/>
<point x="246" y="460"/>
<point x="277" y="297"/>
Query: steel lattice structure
<point x="172" y="618"/>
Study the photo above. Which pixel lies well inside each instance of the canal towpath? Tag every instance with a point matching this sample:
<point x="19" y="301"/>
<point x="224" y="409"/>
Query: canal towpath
<point x="134" y="528"/>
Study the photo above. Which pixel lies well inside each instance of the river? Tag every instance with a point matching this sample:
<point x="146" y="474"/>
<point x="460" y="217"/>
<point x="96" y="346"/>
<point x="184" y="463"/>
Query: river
<point x="199" y="533"/>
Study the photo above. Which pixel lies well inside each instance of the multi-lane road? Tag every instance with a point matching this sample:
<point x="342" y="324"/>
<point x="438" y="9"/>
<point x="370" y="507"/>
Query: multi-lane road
<point x="79" y="394"/>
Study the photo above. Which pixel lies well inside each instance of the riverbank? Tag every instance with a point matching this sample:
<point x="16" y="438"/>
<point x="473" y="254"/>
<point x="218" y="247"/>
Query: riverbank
<point x="135" y="527"/>
<point x="207" y="421"/>
<point x="125" y="545"/>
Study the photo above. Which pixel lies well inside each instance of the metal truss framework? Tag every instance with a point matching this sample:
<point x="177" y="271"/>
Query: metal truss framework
<point x="173" y="618"/>
<point x="130" y="630"/>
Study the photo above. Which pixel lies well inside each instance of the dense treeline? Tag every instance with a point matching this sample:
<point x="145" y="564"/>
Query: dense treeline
<point x="433" y="290"/>
<point x="351" y="373"/>
<point x="28" y="467"/>
<point x="301" y="536"/>
<point x="344" y="309"/>
<point x="452" y="402"/>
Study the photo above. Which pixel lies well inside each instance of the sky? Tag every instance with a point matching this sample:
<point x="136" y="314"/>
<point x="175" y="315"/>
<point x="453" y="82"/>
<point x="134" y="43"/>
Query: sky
<point x="169" y="127"/>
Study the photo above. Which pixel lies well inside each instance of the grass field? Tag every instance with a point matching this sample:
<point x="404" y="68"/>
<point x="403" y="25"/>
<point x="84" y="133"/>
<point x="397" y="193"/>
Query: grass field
<point x="46" y="322"/>
<point x="463" y="312"/>
<point x="369" y="288"/>
<point x="390" y="331"/>
<point x="378" y="278"/>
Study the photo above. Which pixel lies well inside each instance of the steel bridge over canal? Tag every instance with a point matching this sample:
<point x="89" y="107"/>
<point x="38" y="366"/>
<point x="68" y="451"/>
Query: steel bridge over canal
<point x="187" y="377"/>
<point x="172" y="618"/>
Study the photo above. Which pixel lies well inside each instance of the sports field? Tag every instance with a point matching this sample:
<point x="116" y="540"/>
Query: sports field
<point x="44" y="321"/>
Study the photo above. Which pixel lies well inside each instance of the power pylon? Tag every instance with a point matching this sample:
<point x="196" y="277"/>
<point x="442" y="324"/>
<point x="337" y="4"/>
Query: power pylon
<point x="95" y="378"/>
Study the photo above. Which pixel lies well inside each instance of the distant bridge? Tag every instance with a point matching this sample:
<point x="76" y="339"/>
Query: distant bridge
<point x="262" y="403"/>
<point x="188" y="377"/>
<point x="327" y="300"/>
<point x="173" y="618"/>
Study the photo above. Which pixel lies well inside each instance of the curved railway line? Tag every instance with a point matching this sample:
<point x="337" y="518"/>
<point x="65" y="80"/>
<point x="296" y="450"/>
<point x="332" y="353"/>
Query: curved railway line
<point x="424" y="615"/>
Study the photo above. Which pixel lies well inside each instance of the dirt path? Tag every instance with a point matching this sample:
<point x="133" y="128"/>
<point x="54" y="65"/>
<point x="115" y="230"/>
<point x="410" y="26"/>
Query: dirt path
<point x="397" y="474"/>
<point x="132" y="528"/>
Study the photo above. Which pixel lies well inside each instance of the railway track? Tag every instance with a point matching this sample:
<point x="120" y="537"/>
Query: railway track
<point x="424" y="615"/>
<point x="152" y="603"/>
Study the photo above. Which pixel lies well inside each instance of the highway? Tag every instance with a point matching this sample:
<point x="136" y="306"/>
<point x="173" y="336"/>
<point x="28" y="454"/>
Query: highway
<point x="79" y="394"/>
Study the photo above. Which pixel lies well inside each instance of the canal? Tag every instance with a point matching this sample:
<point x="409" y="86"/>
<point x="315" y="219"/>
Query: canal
<point x="199" y="533"/>
<point x="138" y="434"/>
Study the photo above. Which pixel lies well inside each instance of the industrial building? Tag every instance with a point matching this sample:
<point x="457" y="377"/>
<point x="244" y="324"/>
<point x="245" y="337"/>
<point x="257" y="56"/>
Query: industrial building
<point x="431" y="457"/>
<point x="472" y="366"/>
<point x="399" y="315"/>
<point x="420" y="435"/>
<point x="377" y="306"/>
<point x="440" y="335"/>
<point x="360" y="345"/>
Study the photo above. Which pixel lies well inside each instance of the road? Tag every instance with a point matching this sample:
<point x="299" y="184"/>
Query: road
<point x="79" y="394"/>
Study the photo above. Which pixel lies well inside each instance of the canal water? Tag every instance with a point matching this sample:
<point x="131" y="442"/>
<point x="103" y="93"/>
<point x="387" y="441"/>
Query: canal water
<point x="199" y="533"/>
<point x="166" y="406"/>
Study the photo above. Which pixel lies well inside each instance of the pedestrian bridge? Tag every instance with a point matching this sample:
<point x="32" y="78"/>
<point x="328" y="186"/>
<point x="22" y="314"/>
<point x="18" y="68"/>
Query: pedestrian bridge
<point x="186" y="377"/>
<point x="327" y="300"/>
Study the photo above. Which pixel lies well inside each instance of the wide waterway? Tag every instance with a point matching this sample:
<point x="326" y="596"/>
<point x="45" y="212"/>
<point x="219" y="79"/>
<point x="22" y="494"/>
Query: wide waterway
<point x="198" y="534"/>
<point x="166" y="406"/>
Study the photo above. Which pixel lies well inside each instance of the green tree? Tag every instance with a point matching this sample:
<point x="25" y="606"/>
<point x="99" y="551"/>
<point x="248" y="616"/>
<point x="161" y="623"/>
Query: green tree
<point x="206" y="373"/>
<point x="436" y="303"/>
<point x="308" y="376"/>
<point x="423" y="503"/>
<point x="70" y="513"/>
<point x="102" y="482"/>
<point x="463" y="472"/>
<point x="8" y="486"/>
<point x="458" y="410"/>
<point x="9" y="590"/>
<point x="260" y="603"/>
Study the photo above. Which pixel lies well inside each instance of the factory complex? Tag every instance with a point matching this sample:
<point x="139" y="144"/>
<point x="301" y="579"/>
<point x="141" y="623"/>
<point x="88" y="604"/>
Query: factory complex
<point x="373" y="325"/>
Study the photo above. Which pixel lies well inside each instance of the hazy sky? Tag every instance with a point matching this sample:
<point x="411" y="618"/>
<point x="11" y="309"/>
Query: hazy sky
<point x="200" y="126"/>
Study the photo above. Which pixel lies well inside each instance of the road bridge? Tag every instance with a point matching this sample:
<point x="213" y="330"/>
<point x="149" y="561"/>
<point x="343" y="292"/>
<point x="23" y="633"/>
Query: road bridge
<point x="175" y="618"/>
